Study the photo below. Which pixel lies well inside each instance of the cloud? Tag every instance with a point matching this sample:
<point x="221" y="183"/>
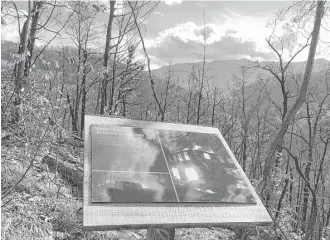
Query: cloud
<point x="184" y="43"/>
<point x="173" y="2"/>
<point x="208" y="31"/>
<point x="185" y="31"/>
<point x="10" y="31"/>
<point x="159" y="13"/>
<point x="231" y="31"/>
<point x="233" y="47"/>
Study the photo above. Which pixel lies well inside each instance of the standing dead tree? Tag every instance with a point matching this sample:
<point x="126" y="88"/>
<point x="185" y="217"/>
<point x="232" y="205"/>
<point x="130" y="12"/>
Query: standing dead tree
<point x="248" y="101"/>
<point x="152" y="82"/>
<point x="270" y="160"/>
<point x="36" y="12"/>
<point x="106" y="56"/>
<point x="19" y="68"/>
<point x="169" y="91"/>
<point x="121" y="40"/>
<point x="202" y="77"/>
<point x="82" y="32"/>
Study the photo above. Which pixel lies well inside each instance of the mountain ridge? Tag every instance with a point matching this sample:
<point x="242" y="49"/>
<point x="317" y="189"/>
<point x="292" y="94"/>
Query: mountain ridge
<point x="221" y="72"/>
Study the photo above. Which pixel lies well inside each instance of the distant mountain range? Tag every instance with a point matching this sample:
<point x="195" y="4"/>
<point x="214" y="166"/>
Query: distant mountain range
<point x="221" y="72"/>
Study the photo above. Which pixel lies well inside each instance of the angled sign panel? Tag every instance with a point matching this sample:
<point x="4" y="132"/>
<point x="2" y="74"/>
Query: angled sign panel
<point x="153" y="165"/>
<point x="186" y="173"/>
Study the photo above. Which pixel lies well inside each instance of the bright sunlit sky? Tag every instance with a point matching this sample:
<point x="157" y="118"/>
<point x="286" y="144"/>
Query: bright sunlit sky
<point x="234" y="30"/>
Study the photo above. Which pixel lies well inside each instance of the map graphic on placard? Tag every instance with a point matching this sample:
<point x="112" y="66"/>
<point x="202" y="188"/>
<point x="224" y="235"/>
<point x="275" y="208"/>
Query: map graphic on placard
<point x="152" y="165"/>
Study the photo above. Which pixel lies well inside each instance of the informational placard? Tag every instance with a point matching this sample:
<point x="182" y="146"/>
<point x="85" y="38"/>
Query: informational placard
<point x="154" y="165"/>
<point x="147" y="174"/>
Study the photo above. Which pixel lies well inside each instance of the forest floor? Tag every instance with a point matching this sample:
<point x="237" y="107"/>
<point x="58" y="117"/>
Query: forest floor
<point x="45" y="206"/>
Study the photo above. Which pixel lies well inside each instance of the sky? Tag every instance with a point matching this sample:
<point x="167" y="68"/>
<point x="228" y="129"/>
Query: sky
<point x="233" y="29"/>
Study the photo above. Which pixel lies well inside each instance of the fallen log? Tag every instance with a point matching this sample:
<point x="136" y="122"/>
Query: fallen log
<point x="67" y="170"/>
<point x="160" y="234"/>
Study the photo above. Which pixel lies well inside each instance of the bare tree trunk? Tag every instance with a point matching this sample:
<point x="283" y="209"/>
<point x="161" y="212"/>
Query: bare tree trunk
<point x="270" y="160"/>
<point x="178" y="111"/>
<point x="106" y="57"/>
<point x="327" y="223"/>
<point x="84" y="93"/>
<point x="108" y="38"/>
<point x="291" y="187"/>
<point x="73" y="119"/>
<point x="21" y="65"/>
<point x="213" y="112"/>
<point x="214" y="104"/>
<point x="32" y="36"/>
<point x="244" y="154"/>
<point x="312" y="219"/>
<point x="311" y="145"/>
<point x="167" y="87"/>
<point x="286" y="182"/>
<point x="284" y="190"/>
<point x="188" y="107"/>
<point x="124" y="105"/>
<point x="148" y="61"/>
<point x="298" y="204"/>
<point x="200" y="94"/>
<point x="112" y="88"/>
<point x="313" y="215"/>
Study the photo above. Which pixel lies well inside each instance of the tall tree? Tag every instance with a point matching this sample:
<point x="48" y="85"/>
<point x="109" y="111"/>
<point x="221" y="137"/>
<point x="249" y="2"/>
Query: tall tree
<point x="270" y="159"/>
<point x="82" y="32"/>
<point x="19" y="68"/>
<point x="106" y="57"/>
<point x="202" y="78"/>
<point x="36" y="12"/>
<point x="151" y="78"/>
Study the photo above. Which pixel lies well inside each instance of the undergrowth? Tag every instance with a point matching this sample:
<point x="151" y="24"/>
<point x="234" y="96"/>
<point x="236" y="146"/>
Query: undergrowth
<point x="42" y="205"/>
